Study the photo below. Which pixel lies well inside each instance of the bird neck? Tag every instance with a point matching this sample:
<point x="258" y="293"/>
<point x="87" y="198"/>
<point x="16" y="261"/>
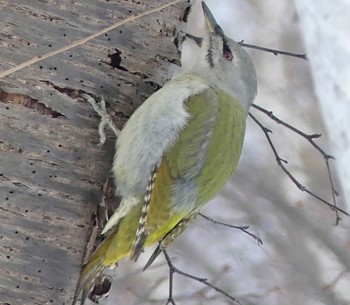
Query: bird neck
<point x="236" y="87"/>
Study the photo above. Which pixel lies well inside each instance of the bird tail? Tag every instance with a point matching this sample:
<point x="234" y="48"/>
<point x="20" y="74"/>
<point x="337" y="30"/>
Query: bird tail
<point x="91" y="271"/>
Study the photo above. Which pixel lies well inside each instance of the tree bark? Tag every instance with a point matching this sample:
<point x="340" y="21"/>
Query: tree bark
<point x="51" y="171"/>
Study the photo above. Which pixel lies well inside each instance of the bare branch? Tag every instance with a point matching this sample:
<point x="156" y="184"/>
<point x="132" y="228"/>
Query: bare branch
<point x="242" y="228"/>
<point x="281" y="162"/>
<point x="310" y="138"/>
<point x="273" y="51"/>
<point x="173" y="270"/>
<point x="198" y="41"/>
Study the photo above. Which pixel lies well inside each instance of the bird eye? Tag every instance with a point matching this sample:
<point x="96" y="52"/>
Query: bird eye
<point x="228" y="55"/>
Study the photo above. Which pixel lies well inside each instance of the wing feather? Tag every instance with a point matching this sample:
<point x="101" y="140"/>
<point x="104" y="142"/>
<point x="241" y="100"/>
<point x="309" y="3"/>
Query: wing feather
<point x="199" y="163"/>
<point x="192" y="168"/>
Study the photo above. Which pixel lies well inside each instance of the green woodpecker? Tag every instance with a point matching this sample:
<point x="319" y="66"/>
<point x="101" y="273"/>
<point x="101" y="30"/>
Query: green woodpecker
<point x="177" y="151"/>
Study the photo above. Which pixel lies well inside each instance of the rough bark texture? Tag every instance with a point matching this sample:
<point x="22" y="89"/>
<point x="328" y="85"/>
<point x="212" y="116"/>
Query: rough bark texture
<point x="51" y="171"/>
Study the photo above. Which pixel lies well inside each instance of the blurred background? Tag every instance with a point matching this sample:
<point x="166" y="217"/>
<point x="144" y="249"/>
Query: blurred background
<point x="304" y="256"/>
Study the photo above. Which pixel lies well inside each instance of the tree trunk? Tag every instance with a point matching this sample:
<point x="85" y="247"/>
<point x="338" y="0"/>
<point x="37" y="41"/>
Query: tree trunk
<point x="51" y="171"/>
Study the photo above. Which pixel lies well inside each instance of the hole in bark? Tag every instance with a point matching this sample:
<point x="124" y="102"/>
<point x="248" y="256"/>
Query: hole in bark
<point x="116" y="60"/>
<point x="28" y="102"/>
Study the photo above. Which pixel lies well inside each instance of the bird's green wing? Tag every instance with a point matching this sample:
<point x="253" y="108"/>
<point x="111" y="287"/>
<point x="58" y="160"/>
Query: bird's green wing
<point x="199" y="163"/>
<point x="192" y="171"/>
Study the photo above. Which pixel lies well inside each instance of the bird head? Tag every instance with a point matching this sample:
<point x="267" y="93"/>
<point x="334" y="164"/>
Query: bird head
<point x="224" y="63"/>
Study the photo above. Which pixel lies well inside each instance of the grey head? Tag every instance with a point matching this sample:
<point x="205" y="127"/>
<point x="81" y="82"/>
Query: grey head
<point x="224" y="64"/>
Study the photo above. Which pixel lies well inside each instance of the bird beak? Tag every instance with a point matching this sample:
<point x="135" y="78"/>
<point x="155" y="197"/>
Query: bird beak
<point x="212" y="25"/>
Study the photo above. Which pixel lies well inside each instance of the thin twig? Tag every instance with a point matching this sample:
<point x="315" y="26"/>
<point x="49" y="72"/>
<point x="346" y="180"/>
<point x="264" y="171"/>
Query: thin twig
<point x="171" y="280"/>
<point x="310" y="138"/>
<point x="173" y="270"/>
<point x="82" y="41"/>
<point x="242" y="228"/>
<point x="281" y="162"/>
<point x="273" y="51"/>
<point x="203" y="292"/>
<point x="199" y="40"/>
<point x="334" y="191"/>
